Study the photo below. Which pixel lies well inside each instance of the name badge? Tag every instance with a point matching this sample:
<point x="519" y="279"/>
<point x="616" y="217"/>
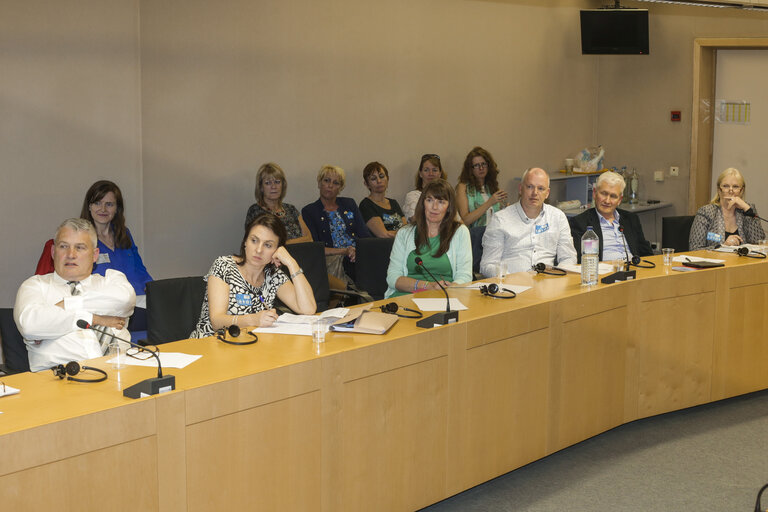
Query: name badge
<point x="714" y="237"/>
<point x="103" y="258"/>
<point x="542" y="228"/>
<point x="243" y="299"/>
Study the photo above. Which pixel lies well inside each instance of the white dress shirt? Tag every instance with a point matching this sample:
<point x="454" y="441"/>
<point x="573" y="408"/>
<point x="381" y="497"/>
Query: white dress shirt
<point x="511" y="237"/>
<point x="51" y="332"/>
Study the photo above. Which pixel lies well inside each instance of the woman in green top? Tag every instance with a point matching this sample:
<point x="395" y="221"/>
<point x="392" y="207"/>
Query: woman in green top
<point x="477" y="193"/>
<point x="437" y="238"/>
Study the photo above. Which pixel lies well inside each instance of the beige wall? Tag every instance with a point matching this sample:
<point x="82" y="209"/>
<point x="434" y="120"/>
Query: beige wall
<point x="179" y="101"/>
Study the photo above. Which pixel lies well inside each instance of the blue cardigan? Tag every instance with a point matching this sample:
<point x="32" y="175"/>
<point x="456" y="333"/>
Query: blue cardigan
<point x="319" y="224"/>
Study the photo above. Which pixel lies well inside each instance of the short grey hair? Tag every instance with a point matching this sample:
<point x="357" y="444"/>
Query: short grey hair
<point x="528" y="170"/>
<point x="611" y="179"/>
<point x="78" y="224"/>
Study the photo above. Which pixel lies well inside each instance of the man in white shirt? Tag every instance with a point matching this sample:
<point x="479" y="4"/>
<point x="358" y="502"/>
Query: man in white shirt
<point x="527" y="232"/>
<point x="48" y="307"/>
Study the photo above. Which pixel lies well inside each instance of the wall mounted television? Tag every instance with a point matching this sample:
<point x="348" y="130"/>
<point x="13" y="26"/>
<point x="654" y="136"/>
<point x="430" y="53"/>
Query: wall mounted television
<point x="614" y="32"/>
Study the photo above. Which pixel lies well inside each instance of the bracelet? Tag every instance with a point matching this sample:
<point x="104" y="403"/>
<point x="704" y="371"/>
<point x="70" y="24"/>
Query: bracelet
<point x="300" y="271"/>
<point x="416" y="285"/>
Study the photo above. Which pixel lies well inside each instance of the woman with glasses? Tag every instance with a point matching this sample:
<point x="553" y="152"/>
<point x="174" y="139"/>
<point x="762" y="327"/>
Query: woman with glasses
<point x="335" y="221"/>
<point x="382" y="215"/>
<point x="271" y="187"/>
<point x="728" y="219"/>
<point x="430" y="169"/>
<point x="477" y="194"/>
<point x="441" y="241"/>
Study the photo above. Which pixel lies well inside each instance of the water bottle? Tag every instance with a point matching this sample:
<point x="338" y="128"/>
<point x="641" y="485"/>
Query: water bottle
<point x="590" y="257"/>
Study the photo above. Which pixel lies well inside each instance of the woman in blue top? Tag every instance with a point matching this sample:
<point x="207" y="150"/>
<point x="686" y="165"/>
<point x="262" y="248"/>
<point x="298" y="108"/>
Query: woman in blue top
<point x="437" y="238"/>
<point x="335" y="221"/>
<point x="478" y="194"/>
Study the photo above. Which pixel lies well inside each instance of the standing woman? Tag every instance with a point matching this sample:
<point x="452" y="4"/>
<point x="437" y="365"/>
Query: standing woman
<point x="437" y="238"/>
<point x="723" y="221"/>
<point x="477" y="194"/>
<point x="271" y="187"/>
<point x="382" y="215"/>
<point x="430" y="169"/>
<point x="335" y="221"/>
<point x="242" y="288"/>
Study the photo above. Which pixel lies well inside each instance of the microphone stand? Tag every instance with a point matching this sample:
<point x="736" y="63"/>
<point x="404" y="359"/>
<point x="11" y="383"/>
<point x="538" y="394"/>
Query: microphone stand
<point x="621" y="275"/>
<point x="146" y="387"/>
<point x="443" y="318"/>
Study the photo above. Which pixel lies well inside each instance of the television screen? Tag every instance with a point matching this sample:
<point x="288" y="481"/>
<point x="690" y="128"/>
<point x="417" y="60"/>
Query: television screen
<point x="614" y="32"/>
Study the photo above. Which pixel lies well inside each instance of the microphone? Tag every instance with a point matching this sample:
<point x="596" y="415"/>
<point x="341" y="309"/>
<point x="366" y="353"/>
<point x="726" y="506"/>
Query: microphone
<point x="635" y="261"/>
<point x="621" y="275"/>
<point x="147" y="387"/>
<point x="751" y="213"/>
<point x="443" y="318"/>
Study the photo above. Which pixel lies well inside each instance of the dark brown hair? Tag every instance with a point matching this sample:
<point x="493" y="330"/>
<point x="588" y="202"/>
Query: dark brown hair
<point x="95" y="194"/>
<point x="438" y="189"/>
<point x="434" y="160"/>
<point x="371" y="168"/>
<point x="269" y="221"/>
<point x="470" y="180"/>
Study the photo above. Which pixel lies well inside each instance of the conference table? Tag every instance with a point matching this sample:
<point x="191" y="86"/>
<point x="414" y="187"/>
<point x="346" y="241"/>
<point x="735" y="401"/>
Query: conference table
<point x="395" y="421"/>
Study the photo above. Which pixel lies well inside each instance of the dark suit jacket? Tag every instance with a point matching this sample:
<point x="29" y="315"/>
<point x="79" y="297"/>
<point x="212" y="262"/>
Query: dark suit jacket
<point x="633" y="231"/>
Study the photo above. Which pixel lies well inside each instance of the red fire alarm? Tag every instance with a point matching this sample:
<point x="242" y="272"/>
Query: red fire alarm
<point x="675" y="116"/>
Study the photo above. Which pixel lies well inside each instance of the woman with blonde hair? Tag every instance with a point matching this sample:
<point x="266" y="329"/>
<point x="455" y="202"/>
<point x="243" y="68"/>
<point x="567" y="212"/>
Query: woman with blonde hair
<point x="728" y="219"/>
<point x="271" y="186"/>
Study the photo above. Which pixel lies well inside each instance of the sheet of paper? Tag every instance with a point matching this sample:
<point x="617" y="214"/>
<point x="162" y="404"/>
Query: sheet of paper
<point x="685" y="257"/>
<point x="602" y="268"/>
<point x="291" y="318"/>
<point x="517" y="288"/>
<point x="280" y="328"/>
<point x="7" y="390"/>
<point x="734" y="248"/>
<point x="438" y="304"/>
<point x="168" y="360"/>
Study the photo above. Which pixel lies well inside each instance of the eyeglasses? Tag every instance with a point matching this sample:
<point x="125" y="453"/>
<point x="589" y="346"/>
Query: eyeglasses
<point x="482" y="165"/>
<point x="726" y="188"/>
<point x="428" y="156"/>
<point x="275" y="181"/>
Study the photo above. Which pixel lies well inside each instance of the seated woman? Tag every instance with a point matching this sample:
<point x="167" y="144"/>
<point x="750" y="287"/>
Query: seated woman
<point x="335" y="221"/>
<point x="271" y="187"/>
<point x="382" y="215"/>
<point x="103" y="206"/>
<point x="723" y="221"/>
<point x="477" y="194"/>
<point x="242" y="288"/>
<point x="438" y="238"/>
<point x="430" y="169"/>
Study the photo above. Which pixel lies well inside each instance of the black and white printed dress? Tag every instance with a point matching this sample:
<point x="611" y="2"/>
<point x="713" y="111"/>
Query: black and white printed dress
<point x="244" y="298"/>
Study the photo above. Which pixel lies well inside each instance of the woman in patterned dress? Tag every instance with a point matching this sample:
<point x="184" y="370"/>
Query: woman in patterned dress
<point x="242" y="288"/>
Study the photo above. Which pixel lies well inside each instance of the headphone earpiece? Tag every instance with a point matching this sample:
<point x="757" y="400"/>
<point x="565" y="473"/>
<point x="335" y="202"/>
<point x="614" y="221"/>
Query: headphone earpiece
<point x="492" y="290"/>
<point x="541" y="268"/>
<point x="392" y="308"/>
<point x="636" y="263"/>
<point x="234" y="332"/>
<point x="72" y="368"/>
<point x="744" y="251"/>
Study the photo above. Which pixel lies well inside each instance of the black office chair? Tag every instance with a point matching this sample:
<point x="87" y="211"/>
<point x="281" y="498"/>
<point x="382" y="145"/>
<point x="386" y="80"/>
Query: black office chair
<point x="372" y="262"/>
<point x="476" y="237"/>
<point x="173" y="308"/>
<point x="311" y="258"/>
<point x="14" y="349"/>
<point x="675" y="232"/>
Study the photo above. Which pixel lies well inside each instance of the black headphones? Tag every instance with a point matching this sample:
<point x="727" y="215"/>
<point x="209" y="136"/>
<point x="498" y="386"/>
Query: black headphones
<point x="392" y="308"/>
<point x="541" y="268"/>
<point x="744" y="251"/>
<point x="493" y="289"/>
<point x="72" y="368"/>
<point x="636" y="263"/>
<point x="234" y="332"/>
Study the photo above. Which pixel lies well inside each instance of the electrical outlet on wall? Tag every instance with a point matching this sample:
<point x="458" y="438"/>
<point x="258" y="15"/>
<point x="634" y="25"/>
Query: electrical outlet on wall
<point x="658" y="175"/>
<point x="674" y="171"/>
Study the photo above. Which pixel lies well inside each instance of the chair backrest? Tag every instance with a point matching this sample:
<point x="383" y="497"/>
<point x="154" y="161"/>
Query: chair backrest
<point x="173" y="308"/>
<point x="14" y="349"/>
<point x="311" y="258"/>
<point x="476" y="237"/>
<point x="371" y="264"/>
<point x="675" y="232"/>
